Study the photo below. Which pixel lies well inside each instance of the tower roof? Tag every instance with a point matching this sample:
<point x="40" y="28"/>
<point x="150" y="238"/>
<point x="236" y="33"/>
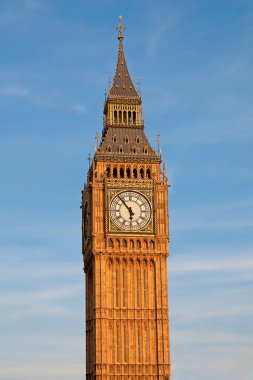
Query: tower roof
<point x="122" y="82"/>
<point x="123" y="136"/>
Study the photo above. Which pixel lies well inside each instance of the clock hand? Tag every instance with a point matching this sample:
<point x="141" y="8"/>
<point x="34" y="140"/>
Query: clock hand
<point x="129" y="208"/>
<point x="131" y="213"/>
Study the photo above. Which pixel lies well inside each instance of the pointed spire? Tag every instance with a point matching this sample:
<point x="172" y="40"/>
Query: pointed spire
<point x="122" y="83"/>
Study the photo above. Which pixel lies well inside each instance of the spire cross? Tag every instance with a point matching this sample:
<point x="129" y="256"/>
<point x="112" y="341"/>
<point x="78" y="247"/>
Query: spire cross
<point x="120" y="28"/>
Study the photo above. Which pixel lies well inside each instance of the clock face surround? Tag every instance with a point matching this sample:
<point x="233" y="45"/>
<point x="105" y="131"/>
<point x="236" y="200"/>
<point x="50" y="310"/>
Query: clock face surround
<point x="130" y="211"/>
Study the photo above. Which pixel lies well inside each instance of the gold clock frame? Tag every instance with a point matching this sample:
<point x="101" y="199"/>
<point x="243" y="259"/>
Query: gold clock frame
<point x="111" y="228"/>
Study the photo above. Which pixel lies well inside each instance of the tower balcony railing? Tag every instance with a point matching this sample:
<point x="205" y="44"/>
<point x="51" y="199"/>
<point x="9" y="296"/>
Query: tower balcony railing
<point x="125" y="123"/>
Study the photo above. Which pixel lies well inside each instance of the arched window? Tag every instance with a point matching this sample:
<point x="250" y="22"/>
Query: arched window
<point x="109" y="148"/>
<point x="124" y="243"/>
<point x="128" y="173"/>
<point x="134" y="149"/>
<point x="115" y="172"/>
<point x="152" y="244"/>
<point x="138" y="140"/>
<point x="120" y="116"/>
<point x="138" y="286"/>
<point x="146" y="358"/>
<point x="138" y="244"/>
<point x="108" y="171"/>
<point x="129" y="116"/>
<point x="124" y="287"/>
<point x="117" y="288"/>
<point x="120" y="149"/>
<point x="118" y="341"/>
<point x="131" y="244"/>
<point x="145" y="150"/>
<point x="110" y="243"/>
<point x="126" y="139"/>
<point x="141" y="173"/>
<point x="145" y="287"/>
<point x="125" y="343"/>
<point x="135" y="173"/>
<point x="134" y="116"/>
<point x="121" y="172"/>
<point x="115" y="116"/>
<point x="139" y="344"/>
<point x="124" y="116"/>
<point x="114" y="139"/>
<point x="148" y="173"/>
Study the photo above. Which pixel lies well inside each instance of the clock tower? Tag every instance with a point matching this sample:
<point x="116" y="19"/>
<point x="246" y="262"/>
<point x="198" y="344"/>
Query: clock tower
<point x="125" y="236"/>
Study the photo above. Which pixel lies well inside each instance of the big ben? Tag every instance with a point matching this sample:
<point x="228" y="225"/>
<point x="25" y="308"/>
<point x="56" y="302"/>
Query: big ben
<point x="125" y="236"/>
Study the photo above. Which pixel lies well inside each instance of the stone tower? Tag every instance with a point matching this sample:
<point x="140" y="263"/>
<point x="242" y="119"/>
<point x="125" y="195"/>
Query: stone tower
<point x="125" y="235"/>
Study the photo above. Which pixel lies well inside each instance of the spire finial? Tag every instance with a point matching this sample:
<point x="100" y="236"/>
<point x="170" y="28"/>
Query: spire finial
<point x="120" y="28"/>
<point x="158" y="139"/>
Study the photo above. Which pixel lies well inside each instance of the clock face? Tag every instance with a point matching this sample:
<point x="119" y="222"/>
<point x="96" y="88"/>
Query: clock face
<point x="130" y="211"/>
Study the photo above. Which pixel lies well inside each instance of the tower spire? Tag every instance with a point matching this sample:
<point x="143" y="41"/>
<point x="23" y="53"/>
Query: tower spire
<point x="122" y="83"/>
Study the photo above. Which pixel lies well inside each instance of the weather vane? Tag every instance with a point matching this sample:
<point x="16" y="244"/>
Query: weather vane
<point x="120" y="28"/>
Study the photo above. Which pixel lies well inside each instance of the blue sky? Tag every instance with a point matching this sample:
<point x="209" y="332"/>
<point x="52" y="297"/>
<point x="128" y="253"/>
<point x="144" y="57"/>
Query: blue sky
<point x="194" y="60"/>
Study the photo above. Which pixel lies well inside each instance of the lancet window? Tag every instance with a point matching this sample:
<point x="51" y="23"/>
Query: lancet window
<point x="118" y="343"/>
<point x="108" y="171"/>
<point x="115" y="172"/>
<point x="139" y="344"/>
<point x="124" y="287"/>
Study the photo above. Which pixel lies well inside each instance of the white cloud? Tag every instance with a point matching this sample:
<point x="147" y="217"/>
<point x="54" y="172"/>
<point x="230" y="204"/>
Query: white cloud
<point x="14" y="91"/>
<point x="182" y="266"/>
<point x="156" y="37"/>
<point x="220" y="216"/>
<point x="45" y="371"/>
<point x="31" y="271"/>
<point x="33" y="4"/>
<point x="53" y="302"/>
<point x="201" y="361"/>
<point x="198" y="312"/>
<point x="79" y="108"/>
<point x="215" y="225"/>
<point x="210" y="337"/>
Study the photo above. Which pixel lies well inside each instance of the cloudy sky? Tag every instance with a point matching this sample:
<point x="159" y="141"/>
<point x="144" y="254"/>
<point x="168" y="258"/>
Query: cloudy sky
<point x="195" y="63"/>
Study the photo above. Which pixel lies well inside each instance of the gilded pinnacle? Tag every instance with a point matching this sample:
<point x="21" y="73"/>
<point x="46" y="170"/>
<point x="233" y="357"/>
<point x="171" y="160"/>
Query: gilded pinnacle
<point x="120" y="28"/>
